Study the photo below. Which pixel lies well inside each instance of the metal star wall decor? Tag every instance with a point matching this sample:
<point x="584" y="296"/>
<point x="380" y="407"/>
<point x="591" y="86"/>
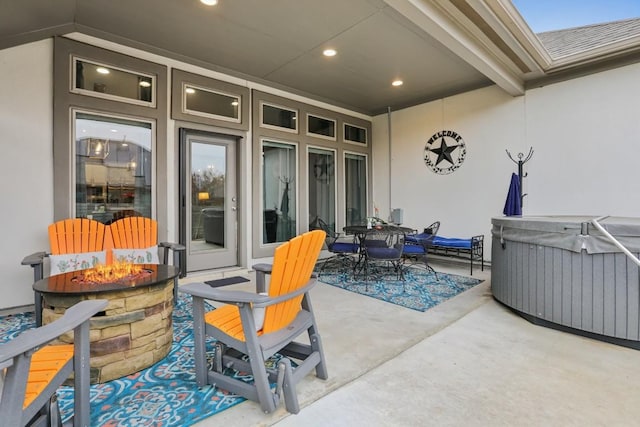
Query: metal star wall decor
<point x="444" y="146"/>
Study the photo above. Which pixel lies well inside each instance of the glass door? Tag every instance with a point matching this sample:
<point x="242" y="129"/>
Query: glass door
<point x="209" y="200"/>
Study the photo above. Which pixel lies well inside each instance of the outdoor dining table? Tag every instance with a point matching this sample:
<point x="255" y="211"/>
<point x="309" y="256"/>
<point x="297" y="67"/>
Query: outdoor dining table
<point x="361" y="230"/>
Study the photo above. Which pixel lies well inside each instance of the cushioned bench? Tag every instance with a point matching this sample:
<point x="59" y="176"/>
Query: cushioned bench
<point x="471" y="249"/>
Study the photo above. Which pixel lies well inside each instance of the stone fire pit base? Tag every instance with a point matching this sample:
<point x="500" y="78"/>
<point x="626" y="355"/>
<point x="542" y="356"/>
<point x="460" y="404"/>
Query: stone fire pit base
<point x="134" y="332"/>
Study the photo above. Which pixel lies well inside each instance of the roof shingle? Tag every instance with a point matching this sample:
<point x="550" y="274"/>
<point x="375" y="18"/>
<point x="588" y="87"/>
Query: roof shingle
<point x="561" y="43"/>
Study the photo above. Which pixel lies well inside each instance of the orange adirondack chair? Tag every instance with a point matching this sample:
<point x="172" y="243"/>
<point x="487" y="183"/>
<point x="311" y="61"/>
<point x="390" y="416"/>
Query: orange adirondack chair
<point x="33" y="370"/>
<point x="260" y="326"/>
<point x="75" y="244"/>
<point x="135" y="239"/>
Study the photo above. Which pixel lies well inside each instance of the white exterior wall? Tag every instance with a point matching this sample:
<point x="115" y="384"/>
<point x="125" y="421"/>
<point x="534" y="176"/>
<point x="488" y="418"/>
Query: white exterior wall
<point x="26" y="164"/>
<point x="584" y="133"/>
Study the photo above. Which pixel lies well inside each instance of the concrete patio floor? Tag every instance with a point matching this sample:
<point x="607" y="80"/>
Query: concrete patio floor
<point x="469" y="361"/>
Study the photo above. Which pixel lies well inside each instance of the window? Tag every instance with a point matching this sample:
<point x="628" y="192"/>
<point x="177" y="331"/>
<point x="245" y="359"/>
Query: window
<point x="279" y="192"/>
<point x="209" y="103"/>
<point x="105" y="81"/>
<point x="322" y="186"/>
<point x="355" y="188"/>
<point x="279" y="118"/>
<point x="321" y="127"/>
<point x="355" y="134"/>
<point x="113" y="170"/>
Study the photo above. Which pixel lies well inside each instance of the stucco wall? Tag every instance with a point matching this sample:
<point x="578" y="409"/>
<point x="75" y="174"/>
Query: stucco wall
<point x="584" y="133"/>
<point x="26" y="164"/>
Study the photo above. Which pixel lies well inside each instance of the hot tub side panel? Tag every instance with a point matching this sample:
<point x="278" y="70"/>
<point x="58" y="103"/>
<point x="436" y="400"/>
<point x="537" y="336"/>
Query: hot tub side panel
<point x="597" y="293"/>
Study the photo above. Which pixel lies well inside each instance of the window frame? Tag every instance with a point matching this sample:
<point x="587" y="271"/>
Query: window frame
<point x="185" y="110"/>
<point x="296" y="147"/>
<point x="279" y="128"/>
<point x="86" y="92"/>
<point x="317" y="135"/>
<point x="345" y="153"/>
<point x="350" y="141"/>
<point x="335" y="175"/>
<point x="74" y="182"/>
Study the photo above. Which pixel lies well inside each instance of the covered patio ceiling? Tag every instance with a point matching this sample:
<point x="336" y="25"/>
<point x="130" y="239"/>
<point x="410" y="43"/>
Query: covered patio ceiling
<point x="437" y="48"/>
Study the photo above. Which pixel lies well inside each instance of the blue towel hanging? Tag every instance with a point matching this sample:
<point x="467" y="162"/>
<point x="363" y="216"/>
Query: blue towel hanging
<point x="513" y="204"/>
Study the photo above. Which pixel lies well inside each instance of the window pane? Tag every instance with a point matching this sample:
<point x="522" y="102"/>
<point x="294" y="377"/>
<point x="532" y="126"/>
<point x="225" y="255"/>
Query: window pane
<point x="355" y="134"/>
<point x="280" y="117"/>
<point x="355" y="174"/>
<point x="110" y="82"/>
<point x="208" y="185"/>
<point x="279" y="198"/>
<point x="320" y="126"/>
<point x="113" y="167"/>
<point x="322" y="188"/>
<point x="210" y="103"/>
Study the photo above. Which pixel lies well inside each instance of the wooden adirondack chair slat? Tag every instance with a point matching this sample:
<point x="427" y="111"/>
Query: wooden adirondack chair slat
<point x="45" y="364"/>
<point x="292" y="267"/>
<point x="76" y="235"/>
<point x="134" y="233"/>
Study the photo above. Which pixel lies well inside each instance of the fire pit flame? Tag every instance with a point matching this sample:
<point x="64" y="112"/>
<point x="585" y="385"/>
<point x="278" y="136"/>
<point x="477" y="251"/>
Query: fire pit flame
<point x="114" y="273"/>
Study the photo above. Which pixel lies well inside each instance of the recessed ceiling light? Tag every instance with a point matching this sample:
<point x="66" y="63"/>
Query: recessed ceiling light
<point x="234" y="103"/>
<point x="190" y="90"/>
<point x="209" y="2"/>
<point x="397" y="83"/>
<point x="102" y="70"/>
<point x="114" y="130"/>
<point x="145" y="83"/>
<point x="329" y="52"/>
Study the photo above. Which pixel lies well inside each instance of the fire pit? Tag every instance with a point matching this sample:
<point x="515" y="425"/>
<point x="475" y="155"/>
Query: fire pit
<point x="134" y="332"/>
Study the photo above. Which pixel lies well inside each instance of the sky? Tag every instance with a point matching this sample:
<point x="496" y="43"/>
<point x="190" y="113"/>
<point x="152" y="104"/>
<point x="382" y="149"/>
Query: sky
<point x="547" y="15"/>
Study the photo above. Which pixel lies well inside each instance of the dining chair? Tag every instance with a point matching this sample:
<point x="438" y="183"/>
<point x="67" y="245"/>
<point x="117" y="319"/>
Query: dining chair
<point x="343" y="250"/>
<point x="383" y="247"/>
<point x="417" y="245"/>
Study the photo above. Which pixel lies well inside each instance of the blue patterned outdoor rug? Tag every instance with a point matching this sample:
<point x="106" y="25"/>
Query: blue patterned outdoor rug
<point x="164" y="394"/>
<point x="420" y="290"/>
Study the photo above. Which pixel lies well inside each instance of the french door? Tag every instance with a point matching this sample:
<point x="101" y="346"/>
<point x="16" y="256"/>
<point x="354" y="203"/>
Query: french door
<point x="208" y="194"/>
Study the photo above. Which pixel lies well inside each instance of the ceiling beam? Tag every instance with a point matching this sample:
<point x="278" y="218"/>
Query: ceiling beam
<point x="433" y="19"/>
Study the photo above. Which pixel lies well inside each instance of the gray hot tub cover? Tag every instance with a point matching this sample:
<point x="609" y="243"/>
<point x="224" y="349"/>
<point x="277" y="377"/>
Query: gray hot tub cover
<point x="573" y="233"/>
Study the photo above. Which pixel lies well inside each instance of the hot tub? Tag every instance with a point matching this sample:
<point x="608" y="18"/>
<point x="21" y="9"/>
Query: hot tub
<point x="563" y="272"/>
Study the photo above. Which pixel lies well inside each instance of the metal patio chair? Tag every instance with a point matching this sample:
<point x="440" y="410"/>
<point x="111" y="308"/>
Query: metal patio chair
<point x="383" y="247"/>
<point x="417" y="245"/>
<point x="343" y="250"/>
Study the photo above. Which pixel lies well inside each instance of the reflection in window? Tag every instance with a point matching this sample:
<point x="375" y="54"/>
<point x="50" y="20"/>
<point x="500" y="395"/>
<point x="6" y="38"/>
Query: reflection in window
<point x="355" y="182"/>
<point x="322" y="187"/>
<point x="279" y="117"/>
<point x="113" y="167"/>
<point x="110" y="82"/>
<point x="209" y="103"/>
<point x="208" y="187"/>
<point x="321" y="127"/>
<point x="279" y="191"/>
<point x="355" y="134"/>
